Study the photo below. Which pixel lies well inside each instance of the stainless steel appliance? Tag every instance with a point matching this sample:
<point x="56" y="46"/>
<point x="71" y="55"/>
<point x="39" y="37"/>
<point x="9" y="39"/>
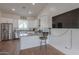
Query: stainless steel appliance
<point x="6" y="31"/>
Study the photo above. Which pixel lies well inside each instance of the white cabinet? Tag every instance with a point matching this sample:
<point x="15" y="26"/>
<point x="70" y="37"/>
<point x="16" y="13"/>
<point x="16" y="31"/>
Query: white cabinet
<point x="57" y="39"/>
<point x="75" y="39"/>
<point x="29" y="42"/>
<point x="68" y="42"/>
<point x="60" y="38"/>
<point x="44" y="21"/>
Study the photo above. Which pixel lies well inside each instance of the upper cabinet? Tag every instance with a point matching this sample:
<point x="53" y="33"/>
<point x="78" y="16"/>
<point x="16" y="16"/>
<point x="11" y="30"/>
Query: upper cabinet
<point x="44" y="21"/>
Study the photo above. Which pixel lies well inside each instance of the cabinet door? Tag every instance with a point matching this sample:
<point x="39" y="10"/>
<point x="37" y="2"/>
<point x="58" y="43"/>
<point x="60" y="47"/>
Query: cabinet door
<point x="44" y="21"/>
<point x="68" y="39"/>
<point x="61" y="38"/>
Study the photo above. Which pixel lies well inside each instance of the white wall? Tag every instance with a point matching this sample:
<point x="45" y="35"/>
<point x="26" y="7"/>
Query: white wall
<point x="32" y="23"/>
<point x="65" y="40"/>
<point x="9" y="18"/>
<point x="0" y="13"/>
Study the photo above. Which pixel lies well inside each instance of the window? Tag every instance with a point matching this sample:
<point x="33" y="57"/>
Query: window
<point x="23" y="24"/>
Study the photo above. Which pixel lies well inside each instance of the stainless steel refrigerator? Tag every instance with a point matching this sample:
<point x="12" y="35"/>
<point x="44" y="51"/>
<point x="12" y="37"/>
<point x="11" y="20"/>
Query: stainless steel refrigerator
<point x="6" y="31"/>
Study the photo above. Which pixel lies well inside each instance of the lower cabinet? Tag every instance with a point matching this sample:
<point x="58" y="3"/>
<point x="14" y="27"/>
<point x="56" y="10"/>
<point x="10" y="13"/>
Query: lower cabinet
<point x="75" y="39"/>
<point x="66" y="40"/>
<point x="29" y="42"/>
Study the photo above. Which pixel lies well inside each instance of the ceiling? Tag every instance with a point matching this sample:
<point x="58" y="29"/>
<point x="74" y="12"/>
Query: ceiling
<point x="22" y="9"/>
<point x="59" y="8"/>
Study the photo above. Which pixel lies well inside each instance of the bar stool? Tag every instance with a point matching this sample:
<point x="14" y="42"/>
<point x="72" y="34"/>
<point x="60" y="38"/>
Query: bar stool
<point x="43" y="42"/>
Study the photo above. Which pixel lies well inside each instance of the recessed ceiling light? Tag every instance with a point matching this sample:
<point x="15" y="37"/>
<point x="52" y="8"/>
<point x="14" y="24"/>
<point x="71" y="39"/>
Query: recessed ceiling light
<point x="30" y="12"/>
<point x="33" y="3"/>
<point x="13" y="9"/>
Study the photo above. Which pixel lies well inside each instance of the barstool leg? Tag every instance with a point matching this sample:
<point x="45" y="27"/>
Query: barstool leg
<point x="41" y="47"/>
<point x="45" y="47"/>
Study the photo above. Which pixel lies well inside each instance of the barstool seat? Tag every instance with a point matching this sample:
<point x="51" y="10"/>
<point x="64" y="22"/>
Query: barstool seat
<point x="43" y="38"/>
